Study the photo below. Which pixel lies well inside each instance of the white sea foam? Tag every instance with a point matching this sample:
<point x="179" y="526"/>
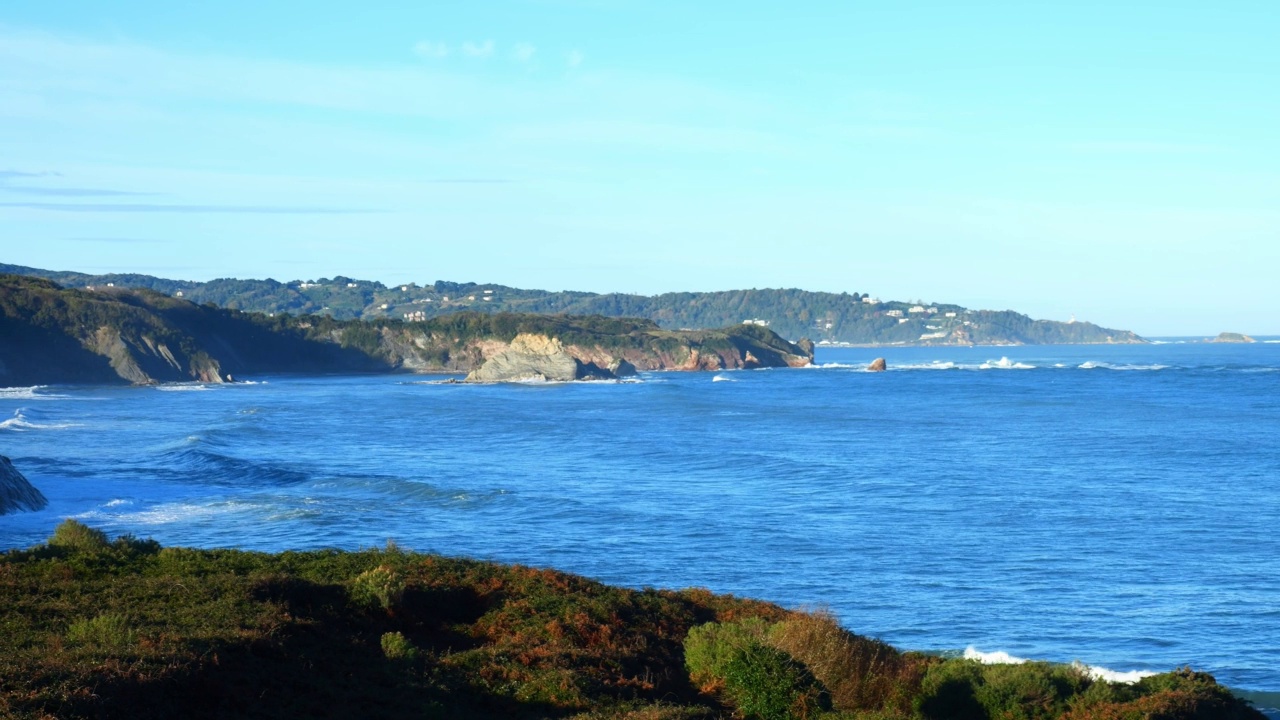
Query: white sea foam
<point x="1005" y="363"/>
<point x="722" y="378"/>
<point x="935" y="365"/>
<point x="1090" y="365"/>
<point x="35" y="392"/>
<point x="20" y="421"/>
<point x="167" y="513"/>
<point x="1096" y="672"/>
<point x="830" y="366"/>
<point x="182" y="387"/>
<point x="117" y="502"/>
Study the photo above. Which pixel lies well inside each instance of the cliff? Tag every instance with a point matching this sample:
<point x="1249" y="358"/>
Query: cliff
<point x="110" y="335"/>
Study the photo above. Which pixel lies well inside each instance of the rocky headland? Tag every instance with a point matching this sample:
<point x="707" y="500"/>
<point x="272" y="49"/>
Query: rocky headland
<point x="55" y="335"/>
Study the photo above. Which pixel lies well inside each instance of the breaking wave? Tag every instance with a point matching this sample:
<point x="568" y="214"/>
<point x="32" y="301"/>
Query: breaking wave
<point x="183" y="387"/>
<point x="722" y="378"/>
<point x="21" y="422"/>
<point x="1090" y="365"/>
<point x="1096" y="672"/>
<point x="1005" y="363"/>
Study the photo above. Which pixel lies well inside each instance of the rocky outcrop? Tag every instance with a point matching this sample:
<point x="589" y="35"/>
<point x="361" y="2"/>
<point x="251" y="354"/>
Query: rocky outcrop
<point x="536" y="358"/>
<point x="1230" y="337"/>
<point x="16" y="494"/>
<point x="878" y="365"/>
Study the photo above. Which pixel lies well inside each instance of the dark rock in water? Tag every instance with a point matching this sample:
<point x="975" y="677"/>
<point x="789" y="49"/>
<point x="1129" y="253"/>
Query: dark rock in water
<point x="622" y="368"/>
<point x="806" y="346"/>
<point x="536" y="358"/>
<point x="1230" y="337"/>
<point x="877" y="365"/>
<point x="16" y="494"/>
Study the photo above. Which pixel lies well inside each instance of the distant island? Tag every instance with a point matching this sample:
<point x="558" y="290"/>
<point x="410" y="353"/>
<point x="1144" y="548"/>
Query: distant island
<point x="827" y="318"/>
<point x="54" y="334"/>
<point x="1231" y="337"/>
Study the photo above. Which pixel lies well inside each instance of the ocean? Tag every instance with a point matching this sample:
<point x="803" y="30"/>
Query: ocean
<point x="1115" y="505"/>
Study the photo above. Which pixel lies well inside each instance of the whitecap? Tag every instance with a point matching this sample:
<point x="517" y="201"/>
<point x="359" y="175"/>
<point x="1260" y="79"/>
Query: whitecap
<point x="998" y="657"/>
<point x="830" y="366"/>
<point x="935" y="365"/>
<point x="182" y="387"/>
<point x="722" y="378"/>
<point x="1005" y="363"/>
<point x="20" y="422"/>
<point x="1090" y="365"/>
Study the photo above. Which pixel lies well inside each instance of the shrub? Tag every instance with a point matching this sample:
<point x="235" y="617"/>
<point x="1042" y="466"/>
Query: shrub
<point x="106" y="631"/>
<point x="761" y="681"/>
<point x="709" y="648"/>
<point x="947" y="692"/>
<point x="396" y="647"/>
<point x="381" y="585"/>
<point x="76" y="536"/>
<point x="861" y="673"/>
<point x="766" y="683"/>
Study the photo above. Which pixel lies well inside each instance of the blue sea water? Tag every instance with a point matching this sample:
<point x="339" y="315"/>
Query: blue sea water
<point x="1113" y="505"/>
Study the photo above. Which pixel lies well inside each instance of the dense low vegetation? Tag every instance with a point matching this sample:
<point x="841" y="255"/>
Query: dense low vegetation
<point x="96" y="628"/>
<point x="793" y="313"/>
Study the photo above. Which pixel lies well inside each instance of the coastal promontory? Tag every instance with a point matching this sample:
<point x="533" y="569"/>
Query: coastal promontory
<point x="112" y="335"/>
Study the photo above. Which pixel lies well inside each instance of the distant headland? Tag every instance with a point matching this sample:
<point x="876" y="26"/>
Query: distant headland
<point x="827" y="318"/>
<point x="63" y="335"/>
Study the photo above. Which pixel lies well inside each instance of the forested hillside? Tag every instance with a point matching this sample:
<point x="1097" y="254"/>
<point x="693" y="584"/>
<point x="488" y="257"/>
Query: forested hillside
<point x="792" y="313"/>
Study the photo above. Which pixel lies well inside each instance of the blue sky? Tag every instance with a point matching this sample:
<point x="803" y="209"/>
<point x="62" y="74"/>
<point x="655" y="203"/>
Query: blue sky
<point x="1119" y="162"/>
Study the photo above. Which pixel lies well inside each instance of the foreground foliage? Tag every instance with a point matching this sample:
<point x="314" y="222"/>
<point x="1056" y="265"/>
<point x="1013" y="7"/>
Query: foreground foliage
<point x="96" y="628"/>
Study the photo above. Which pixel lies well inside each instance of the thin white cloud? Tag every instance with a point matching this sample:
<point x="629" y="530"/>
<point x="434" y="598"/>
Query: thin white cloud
<point x="575" y="58"/>
<point x="478" y="50"/>
<point x="428" y="49"/>
<point x="523" y="52"/>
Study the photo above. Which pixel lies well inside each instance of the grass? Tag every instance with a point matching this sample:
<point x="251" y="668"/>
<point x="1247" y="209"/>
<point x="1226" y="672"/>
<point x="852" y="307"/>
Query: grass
<point x="95" y="628"/>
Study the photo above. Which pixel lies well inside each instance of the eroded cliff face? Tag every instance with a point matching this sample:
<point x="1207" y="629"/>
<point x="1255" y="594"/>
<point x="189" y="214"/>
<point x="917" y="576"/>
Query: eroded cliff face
<point x="540" y="357"/>
<point x="530" y="357"/>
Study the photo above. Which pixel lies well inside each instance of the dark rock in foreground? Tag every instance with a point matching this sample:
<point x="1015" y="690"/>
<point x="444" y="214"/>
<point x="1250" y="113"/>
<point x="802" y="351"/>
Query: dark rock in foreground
<point x="16" y="493"/>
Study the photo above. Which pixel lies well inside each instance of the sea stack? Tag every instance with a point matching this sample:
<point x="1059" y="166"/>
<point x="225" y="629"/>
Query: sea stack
<point x="877" y="365"/>
<point x="16" y="494"/>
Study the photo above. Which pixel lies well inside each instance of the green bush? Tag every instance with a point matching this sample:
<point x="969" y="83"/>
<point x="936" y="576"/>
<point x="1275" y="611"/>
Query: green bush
<point x="396" y="647"/>
<point x="759" y="680"/>
<point x="108" y="630"/>
<point x="709" y="648"/>
<point x="76" y="536"/>
<point x="766" y="683"/>
<point x="382" y="586"/>
<point x="968" y="690"/>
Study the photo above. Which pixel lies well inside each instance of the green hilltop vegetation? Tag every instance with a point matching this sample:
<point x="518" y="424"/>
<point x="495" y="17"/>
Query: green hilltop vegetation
<point x="831" y="317"/>
<point x="93" y="628"/>
<point x="54" y="334"/>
